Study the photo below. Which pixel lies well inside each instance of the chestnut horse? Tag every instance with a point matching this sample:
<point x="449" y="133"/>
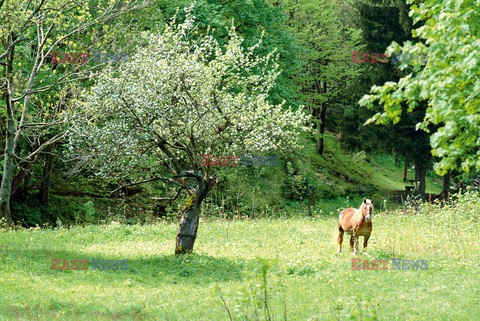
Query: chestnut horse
<point x="357" y="222"/>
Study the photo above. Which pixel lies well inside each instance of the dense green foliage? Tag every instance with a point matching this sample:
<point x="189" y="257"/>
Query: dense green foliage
<point x="314" y="41"/>
<point x="281" y="191"/>
<point x="449" y="81"/>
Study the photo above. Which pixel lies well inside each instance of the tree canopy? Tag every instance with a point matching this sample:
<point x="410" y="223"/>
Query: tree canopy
<point x="449" y="81"/>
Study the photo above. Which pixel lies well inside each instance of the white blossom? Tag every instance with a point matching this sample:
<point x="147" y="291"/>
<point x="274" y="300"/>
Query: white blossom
<point x="189" y="93"/>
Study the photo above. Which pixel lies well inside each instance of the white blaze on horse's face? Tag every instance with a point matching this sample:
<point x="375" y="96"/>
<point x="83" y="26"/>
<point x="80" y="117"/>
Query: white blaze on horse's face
<point x="368" y="205"/>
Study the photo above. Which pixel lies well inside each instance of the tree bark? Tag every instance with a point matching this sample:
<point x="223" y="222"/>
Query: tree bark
<point x="323" y="116"/>
<point x="2" y="134"/>
<point x="420" y="179"/>
<point x="446" y="186"/>
<point x="321" y="131"/>
<point x="20" y="177"/>
<point x="8" y="156"/>
<point x="187" y="230"/>
<point x="44" y="191"/>
<point x="7" y="178"/>
<point x="405" y="171"/>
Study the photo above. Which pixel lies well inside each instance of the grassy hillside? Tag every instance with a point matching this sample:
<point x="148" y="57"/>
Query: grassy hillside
<point x="355" y="172"/>
<point x="325" y="182"/>
<point x="304" y="269"/>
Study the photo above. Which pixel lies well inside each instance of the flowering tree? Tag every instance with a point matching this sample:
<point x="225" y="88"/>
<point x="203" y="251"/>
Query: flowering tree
<point x="182" y="96"/>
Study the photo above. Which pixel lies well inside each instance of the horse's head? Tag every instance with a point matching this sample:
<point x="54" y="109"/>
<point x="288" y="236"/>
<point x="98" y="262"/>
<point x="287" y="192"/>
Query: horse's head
<point x="367" y="209"/>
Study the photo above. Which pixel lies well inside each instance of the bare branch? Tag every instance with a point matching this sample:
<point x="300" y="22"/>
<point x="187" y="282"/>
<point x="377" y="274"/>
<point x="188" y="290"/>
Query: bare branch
<point x="12" y="44"/>
<point x="51" y="141"/>
<point x="170" y="199"/>
<point x="198" y="176"/>
<point x="147" y="181"/>
<point x="40" y="125"/>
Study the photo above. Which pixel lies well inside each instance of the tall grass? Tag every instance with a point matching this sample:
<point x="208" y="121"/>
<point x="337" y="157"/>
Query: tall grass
<point x="278" y="269"/>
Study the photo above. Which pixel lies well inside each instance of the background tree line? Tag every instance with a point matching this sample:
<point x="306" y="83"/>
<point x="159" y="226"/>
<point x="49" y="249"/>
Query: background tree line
<point x="311" y="42"/>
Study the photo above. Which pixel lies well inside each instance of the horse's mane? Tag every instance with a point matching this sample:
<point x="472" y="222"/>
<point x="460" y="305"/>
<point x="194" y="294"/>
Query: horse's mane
<point x="361" y="210"/>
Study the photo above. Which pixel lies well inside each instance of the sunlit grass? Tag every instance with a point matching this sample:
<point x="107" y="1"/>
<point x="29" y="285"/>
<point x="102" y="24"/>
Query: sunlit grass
<point x="303" y="261"/>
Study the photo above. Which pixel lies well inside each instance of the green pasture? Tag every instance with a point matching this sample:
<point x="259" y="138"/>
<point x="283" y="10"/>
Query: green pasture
<point x="305" y="278"/>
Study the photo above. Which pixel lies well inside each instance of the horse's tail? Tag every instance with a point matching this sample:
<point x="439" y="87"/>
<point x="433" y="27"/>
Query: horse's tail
<point x="339" y="230"/>
<point x="336" y="234"/>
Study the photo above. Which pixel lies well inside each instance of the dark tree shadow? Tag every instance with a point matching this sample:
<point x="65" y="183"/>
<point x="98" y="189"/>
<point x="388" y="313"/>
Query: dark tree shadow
<point x="150" y="271"/>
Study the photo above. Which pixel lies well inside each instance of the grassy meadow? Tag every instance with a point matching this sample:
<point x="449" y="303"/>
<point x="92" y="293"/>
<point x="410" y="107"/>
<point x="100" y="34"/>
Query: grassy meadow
<point x="305" y="278"/>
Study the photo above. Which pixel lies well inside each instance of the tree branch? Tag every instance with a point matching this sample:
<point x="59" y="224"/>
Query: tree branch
<point x="198" y="176"/>
<point x="51" y="141"/>
<point x="170" y="199"/>
<point x="161" y="178"/>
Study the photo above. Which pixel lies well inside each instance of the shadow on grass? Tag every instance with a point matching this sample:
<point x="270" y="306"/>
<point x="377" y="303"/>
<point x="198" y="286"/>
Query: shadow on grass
<point x="149" y="272"/>
<point x="76" y="313"/>
<point x="32" y="263"/>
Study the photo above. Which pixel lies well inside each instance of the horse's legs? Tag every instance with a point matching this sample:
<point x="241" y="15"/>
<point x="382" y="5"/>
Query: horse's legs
<point x="355" y="242"/>
<point x="351" y="243"/>
<point x="340" y="239"/>
<point x="365" y="242"/>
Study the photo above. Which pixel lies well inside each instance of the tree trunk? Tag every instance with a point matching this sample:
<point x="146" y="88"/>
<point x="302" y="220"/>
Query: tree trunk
<point x="446" y="186"/>
<point x="321" y="131"/>
<point x="316" y="115"/>
<point x="420" y="179"/>
<point x="26" y="181"/>
<point x="187" y="230"/>
<point x="323" y="115"/>
<point x="2" y="135"/>
<point x="8" y="157"/>
<point x="7" y="178"/>
<point x="405" y="171"/>
<point x="44" y="191"/>
<point x="20" y="177"/>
